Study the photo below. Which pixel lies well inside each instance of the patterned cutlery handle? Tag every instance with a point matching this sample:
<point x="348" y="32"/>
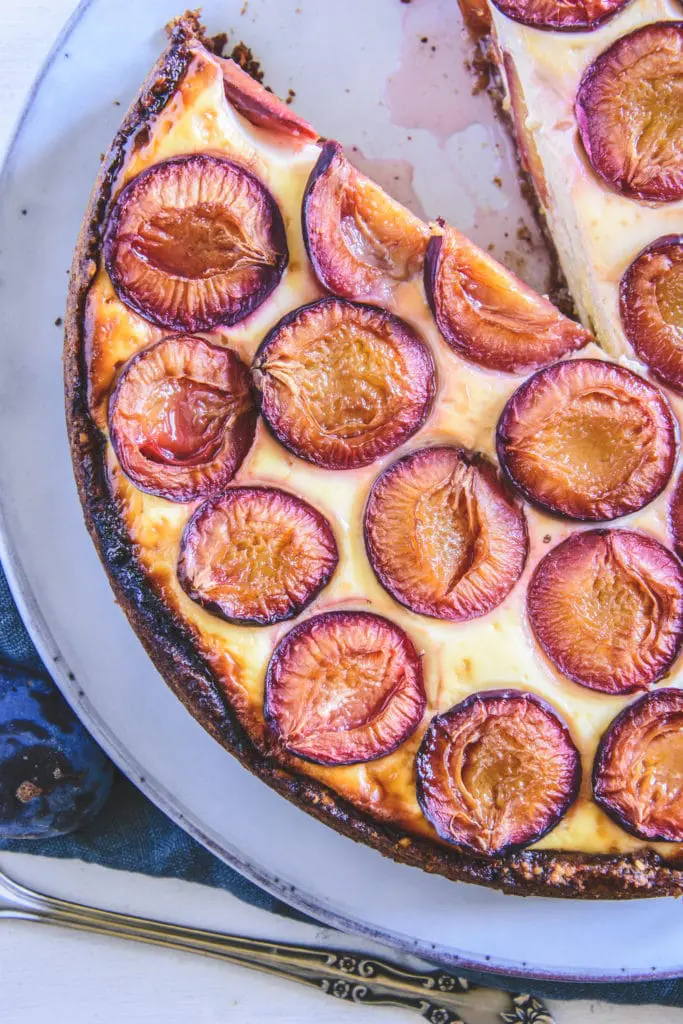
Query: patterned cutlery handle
<point x="338" y="973"/>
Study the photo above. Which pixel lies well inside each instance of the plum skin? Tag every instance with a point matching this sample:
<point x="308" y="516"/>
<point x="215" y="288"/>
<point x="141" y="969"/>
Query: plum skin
<point x="415" y="349"/>
<point x="53" y="776"/>
<point x="645" y="327"/>
<point x="516" y="12"/>
<point x="545" y="335"/>
<point x="184" y="320"/>
<point x="516" y="532"/>
<point x="618" y="175"/>
<point x="676" y="516"/>
<point x="296" y="607"/>
<point x="652" y="662"/>
<point x="670" y="701"/>
<point x="604" y="510"/>
<point x="430" y="745"/>
<point x="187" y="483"/>
<point x="336" y="266"/>
<point x="353" y="620"/>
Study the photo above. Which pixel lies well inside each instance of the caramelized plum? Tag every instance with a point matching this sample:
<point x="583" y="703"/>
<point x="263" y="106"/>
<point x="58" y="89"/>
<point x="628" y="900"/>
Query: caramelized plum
<point x="256" y="555"/>
<point x="629" y="110"/>
<point x="606" y="606"/>
<point x="676" y="516"/>
<point x="359" y="240"/>
<point x="638" y="769"/>
<point x="651" y="302"/>
<point x="344" y="687"/>
<point x="342" y="383"/>
<point x="261" y="107"/>
<point x="443" y="536"/>
<point x="487" y="314"/>
<point x="588" y="440"/>
<point x="182" y="418"/>
<point x="194" y="242"/>
<point x="497" y="772"/>
<point x="560" y="15"/>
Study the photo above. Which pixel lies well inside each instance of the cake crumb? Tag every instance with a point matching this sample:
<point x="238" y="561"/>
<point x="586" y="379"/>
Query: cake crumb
<point x="524" y="234"/>
<point x="243" y="55"/>
<point x="219" y="42"/>
<point x="58" y="322"/>
<point x="290" y="97"/>
<point x="498" y="182"/>
<point x="245" y="7"/>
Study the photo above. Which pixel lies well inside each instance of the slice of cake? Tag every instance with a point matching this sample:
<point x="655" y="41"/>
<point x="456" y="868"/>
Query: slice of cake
<point x="595" y="92"/>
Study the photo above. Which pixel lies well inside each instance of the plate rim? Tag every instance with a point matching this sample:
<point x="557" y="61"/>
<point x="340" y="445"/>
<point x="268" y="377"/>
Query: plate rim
<point x="41" y="634"/>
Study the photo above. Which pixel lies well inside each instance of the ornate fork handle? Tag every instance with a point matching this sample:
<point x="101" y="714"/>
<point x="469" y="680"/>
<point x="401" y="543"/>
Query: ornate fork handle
<point x="344" y="975"/>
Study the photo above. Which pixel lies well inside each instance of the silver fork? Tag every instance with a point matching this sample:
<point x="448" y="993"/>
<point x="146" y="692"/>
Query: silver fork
<point x="434" y="993"/>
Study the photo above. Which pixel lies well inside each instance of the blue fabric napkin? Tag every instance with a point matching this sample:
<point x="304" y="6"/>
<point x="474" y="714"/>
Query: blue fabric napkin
<point x="133" y="835"/>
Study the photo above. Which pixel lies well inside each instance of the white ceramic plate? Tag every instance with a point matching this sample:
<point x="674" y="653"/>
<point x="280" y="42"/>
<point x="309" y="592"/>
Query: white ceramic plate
<point x="389" y="79"/>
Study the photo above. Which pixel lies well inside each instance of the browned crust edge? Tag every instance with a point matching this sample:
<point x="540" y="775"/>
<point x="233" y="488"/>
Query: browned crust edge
<point x="169" y="642"/>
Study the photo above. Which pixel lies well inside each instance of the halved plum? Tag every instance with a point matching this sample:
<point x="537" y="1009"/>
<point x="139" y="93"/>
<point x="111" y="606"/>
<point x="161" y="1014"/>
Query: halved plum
<point x="343" y="688"/>
<point x="443" y="536"/>
<point x="360" y="241"/>
<point x="606" y="606"/>
<point x="194" y="242"/>
<point x="487" y="314"/>
<point x="651" y="303"/>
<point x="343" y="383"/>
<point x="182" y="418"/>
<point x="560" y="15"/>
<point x="261" y="107"/>
<point x="638" y="769"/>
<point x="676" y="516"/>
<point x="497" y="772"/>
<point x="587" y="439"/>
<point x="256" y="555"/>
<point x="629" y="110"/>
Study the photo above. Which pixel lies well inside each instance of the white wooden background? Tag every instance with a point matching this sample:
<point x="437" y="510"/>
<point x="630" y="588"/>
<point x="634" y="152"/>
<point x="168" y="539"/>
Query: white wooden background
<point x="47" y="974"/>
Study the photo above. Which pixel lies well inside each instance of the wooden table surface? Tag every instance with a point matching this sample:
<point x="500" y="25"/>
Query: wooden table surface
<point x="66" y="978"/>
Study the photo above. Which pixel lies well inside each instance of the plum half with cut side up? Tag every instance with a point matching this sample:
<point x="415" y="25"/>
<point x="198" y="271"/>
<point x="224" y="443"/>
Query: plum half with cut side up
<point x="256" y="555"/>
<point x="343" y="383"/>
<point x="676" y="516"/>
<point x="638" y="769"/>
<point x="497" y="772"/>
<point x="629" y="110"/>
<point x="195" y="242"/>
<point x="442" y="534"/>
<point x="182" y="418"/>
<point x="606" y="606"/>
<point x="651" y="304"/>
<point x="588" y="440"/>
<point x="560" y="15"/>
<point x="343" y="688"/>
<point x="360" y="241"/>
<point x="487" y="314"/>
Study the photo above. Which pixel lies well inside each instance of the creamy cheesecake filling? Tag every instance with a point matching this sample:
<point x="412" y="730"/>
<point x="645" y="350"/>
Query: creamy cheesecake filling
<point x="597" y="232"/>
<point x="494" y="651"/>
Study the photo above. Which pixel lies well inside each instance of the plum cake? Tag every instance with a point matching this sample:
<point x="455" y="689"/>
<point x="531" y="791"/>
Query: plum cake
<point x="401" y="535"/>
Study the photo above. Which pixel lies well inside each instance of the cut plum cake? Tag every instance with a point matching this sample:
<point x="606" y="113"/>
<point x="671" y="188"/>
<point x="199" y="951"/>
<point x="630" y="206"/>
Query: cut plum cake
<point x="394" y="529"/>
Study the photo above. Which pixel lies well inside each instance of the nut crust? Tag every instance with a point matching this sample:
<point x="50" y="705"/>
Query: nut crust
<point x="170" y="644"/>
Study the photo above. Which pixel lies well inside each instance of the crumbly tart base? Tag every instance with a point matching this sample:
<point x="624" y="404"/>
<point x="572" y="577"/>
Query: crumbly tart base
<point x="169" y="642"/>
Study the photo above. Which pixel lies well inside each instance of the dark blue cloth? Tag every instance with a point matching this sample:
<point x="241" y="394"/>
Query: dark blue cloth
<point x="133" y="835"/>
